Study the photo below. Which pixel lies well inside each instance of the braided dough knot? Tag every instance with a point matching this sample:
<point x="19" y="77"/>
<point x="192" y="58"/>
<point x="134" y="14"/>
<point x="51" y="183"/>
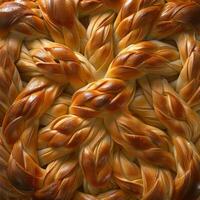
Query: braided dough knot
<point x="61" y="64"/>
<point x="16" y="17"/>
<point x="106" y="95"/>
<point x="99" y="99"/>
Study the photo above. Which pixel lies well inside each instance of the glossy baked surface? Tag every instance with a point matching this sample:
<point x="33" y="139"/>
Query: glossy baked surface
<point x="99" y="100"/>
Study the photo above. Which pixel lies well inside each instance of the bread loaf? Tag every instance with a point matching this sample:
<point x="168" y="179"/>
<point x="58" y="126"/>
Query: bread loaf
<point x="99" y="99"/>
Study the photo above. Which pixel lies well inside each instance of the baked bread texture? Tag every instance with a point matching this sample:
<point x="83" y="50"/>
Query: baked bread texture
<point x="99" y="99"/>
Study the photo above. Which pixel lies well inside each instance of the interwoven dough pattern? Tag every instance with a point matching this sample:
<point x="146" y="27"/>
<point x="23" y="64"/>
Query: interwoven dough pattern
<point x="100" y="99"/>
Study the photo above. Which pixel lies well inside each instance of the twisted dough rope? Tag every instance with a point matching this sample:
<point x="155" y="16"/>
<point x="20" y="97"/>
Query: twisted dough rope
<point x="132" y="129"/>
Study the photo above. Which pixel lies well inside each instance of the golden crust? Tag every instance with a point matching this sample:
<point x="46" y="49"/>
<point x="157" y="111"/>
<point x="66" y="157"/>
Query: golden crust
<point x="99" y="100"/>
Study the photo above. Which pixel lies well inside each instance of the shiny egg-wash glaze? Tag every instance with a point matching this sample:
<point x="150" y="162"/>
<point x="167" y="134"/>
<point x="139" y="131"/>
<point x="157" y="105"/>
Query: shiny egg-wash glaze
<point x="99" y="100"/>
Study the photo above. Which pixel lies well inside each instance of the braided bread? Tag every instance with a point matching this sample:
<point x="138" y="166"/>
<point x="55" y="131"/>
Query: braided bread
<point x="99" y="100"/>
